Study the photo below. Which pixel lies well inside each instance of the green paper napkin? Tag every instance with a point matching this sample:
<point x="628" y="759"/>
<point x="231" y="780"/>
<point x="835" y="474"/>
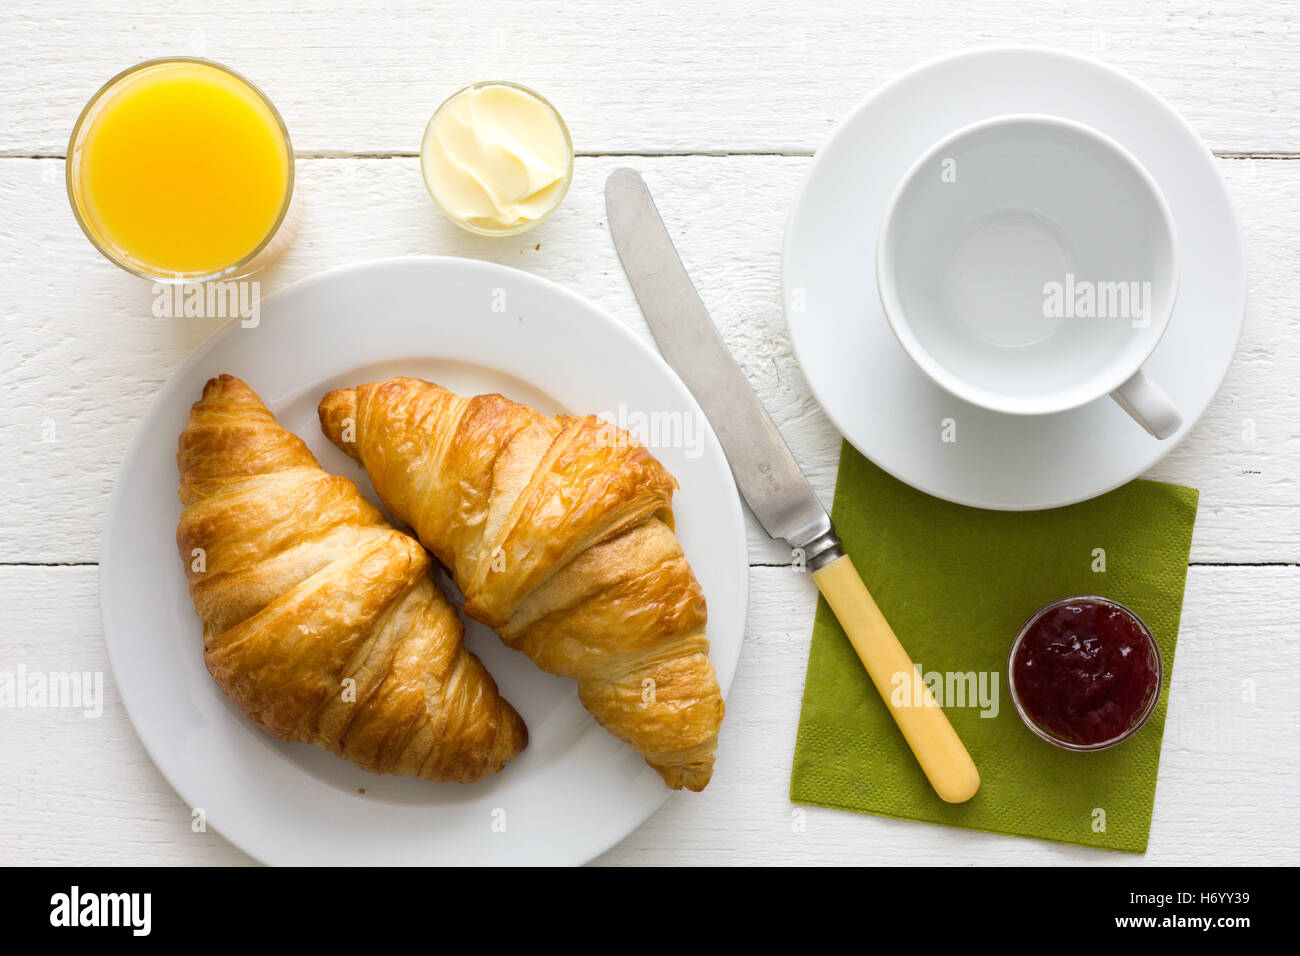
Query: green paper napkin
<point x="957" y="583"/>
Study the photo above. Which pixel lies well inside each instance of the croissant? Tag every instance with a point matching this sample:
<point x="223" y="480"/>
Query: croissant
<point x="559" y="532"/>
<point x="320" y="620"/>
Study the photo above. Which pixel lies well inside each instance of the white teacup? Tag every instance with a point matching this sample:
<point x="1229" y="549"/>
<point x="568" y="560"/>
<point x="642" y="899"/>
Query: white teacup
<point x="1027" y="264"/>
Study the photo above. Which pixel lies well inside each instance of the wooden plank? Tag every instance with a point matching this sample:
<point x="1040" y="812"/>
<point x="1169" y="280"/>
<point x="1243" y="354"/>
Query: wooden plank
<point x="677" y="76"/>
<point x="83" y="791"/>
<point x="81" y="355"/>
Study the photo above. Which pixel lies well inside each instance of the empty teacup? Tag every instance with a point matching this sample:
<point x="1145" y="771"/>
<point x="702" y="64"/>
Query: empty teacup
<point x="1027" y="264"/>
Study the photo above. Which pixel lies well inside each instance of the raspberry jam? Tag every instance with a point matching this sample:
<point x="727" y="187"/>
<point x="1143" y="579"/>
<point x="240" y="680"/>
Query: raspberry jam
<point x="1084" y="673"/>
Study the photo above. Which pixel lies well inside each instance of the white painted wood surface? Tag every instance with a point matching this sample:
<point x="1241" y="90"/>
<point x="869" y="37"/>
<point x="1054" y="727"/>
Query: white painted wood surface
<point x="744" y="93"/>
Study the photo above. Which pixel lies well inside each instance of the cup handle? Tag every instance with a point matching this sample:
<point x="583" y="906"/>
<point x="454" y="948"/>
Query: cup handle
<point x="1148" y="405"/>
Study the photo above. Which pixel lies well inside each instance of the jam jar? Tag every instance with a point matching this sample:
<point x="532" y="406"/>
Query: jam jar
<point x="1084" y="673"/>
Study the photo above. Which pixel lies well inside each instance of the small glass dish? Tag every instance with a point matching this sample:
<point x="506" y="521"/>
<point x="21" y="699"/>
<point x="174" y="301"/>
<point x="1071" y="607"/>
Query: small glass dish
<point x="1046" y="733"/>
<point x="528" y="223"/>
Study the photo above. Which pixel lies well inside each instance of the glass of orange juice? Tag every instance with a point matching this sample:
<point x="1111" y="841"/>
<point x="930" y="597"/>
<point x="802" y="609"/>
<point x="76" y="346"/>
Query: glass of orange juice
<point x="181" y="170"/>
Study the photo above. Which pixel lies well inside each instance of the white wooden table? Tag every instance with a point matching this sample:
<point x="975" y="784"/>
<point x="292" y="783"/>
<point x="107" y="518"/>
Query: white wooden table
<point x="720" y="105"/>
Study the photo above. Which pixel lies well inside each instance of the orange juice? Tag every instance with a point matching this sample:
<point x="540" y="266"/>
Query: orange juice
<point x="180" y="169"/>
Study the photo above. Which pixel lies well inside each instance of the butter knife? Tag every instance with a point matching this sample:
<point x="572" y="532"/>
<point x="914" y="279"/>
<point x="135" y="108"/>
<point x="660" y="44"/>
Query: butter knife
<point x="768" y="476"/>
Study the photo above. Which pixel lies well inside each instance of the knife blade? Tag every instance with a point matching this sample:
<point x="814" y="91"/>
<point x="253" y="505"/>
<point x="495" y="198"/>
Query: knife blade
<point x="768" y="476"/>
<point x="766" y="472"/>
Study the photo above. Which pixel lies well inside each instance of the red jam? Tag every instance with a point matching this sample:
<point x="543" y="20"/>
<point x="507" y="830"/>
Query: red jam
<point x="1085" y="671"/>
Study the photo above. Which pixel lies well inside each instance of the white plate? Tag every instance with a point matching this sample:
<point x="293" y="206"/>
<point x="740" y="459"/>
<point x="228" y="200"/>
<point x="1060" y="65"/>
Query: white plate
<point x="870" y="389"/>
<point x="576" y="790"/>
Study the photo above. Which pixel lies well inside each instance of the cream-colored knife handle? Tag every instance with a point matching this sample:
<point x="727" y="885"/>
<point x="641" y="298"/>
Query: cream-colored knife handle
<point x="936" y="745"/>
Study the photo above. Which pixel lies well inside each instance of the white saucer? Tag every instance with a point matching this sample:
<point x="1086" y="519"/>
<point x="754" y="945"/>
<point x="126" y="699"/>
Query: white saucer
<point x="882" y="403"/>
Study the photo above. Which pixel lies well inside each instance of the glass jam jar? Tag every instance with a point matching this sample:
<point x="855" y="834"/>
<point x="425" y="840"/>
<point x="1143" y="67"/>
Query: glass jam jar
<point x="1084" y="673"/>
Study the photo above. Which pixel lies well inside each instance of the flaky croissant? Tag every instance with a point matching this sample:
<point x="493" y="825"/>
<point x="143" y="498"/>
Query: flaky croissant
<point x="558" y="531"/>
<point x="320" y="620"/>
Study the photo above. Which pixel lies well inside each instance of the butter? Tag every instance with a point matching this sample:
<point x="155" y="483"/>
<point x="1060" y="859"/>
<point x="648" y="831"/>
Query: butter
<point x="497" y="158"/>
